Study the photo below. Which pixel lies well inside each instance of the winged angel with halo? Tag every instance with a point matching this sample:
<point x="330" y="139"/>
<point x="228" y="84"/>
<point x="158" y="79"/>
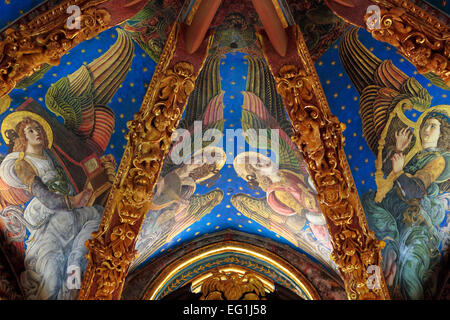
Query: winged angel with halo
<point x="290" y="206"/>
<point x="408" y="209"/>
<point x="175" y="206"/>
<point x="54" y="180"/>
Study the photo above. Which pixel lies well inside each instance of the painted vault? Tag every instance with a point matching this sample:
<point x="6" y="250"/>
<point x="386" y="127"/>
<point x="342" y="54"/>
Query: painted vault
<point x="79" y="112"/>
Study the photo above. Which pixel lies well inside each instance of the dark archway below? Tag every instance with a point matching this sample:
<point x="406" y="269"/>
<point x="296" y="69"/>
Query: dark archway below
<point x="327" y="284"/>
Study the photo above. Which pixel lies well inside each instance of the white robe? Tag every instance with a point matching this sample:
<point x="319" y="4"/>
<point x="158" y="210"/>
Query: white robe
<point x="59" y="240"/>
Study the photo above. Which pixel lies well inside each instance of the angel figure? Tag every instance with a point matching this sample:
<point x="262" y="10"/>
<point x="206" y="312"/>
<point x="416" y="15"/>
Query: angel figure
<point x="57" y="217"/>
<point x="406" y="211"/>
<point x="290" y="206"/>
<point x="175" y="206"/>
<point x="55" y="178"/>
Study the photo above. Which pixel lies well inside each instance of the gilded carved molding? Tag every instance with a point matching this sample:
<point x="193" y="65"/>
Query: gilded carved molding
<point x="233" y="286"/>
<point x="420" y="37"/>
<point x="45" y="39"/>
<point x="111" y="250"/>
<point x="195" y="264"/>
<point x="318" y="134"/>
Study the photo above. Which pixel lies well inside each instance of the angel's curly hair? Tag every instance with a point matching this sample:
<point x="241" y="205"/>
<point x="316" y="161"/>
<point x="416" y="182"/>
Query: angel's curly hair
<point x="444" y="141"/>
<point x="18" y="141"/>
<point x="205" y="170"/>
<point x="252" y="181"/>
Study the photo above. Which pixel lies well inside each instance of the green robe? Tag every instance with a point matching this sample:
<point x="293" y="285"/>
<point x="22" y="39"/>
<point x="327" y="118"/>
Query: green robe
<point x="409" y="227"/>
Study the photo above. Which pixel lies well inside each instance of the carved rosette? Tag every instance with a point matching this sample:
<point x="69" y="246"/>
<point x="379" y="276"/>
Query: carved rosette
<point x="318" y="134"/>
<point x="111" y="250"/>
<point x="420" y="37"/>
<point x="45" y="39"/>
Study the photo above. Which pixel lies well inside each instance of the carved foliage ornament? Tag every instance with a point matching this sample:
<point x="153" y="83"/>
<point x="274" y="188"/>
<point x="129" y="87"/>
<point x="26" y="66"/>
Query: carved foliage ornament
<point x="318" y="134"/>
<point x="45" y="39"/>
<point x="421" y="38"/>
<point x="232" y="286"/>
<point x="112" y="249"/>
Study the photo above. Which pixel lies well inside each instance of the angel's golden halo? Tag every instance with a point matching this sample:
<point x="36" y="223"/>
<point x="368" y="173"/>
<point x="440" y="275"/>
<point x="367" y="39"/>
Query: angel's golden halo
<point x="10" y="123"/>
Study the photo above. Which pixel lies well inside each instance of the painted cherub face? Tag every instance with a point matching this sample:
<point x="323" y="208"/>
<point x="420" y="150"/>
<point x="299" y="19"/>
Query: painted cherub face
<point x="430" y="133"/>
<point x="33" y="134"/>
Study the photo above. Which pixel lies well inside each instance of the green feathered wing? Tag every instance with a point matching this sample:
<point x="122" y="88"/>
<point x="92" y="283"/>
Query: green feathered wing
<point x="263" y="109"/>
<point x="204" y="106"/>
<point x="82" y="97"/>
<point x="382" y="87"/>
<point x="199" y="206"/>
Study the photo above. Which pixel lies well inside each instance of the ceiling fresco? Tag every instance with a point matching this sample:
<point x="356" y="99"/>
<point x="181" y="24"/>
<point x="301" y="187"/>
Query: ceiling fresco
<point x="87" y="99"/>
<point x="12" y="10"/>
<point x="250" y="177"/>
<point x="364" y="81"/>
<point x="234" y="201"/>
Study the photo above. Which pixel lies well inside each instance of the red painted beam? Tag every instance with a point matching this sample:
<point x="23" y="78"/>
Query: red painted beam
<point x="272" y="25"/>
<point x="196" y="32"/>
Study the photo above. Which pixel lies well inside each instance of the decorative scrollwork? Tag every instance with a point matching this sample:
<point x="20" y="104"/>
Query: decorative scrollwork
<point x="318" y="134"/>
<point x="420" y="37"/>
<point x="45" y="39"/>
<point x="111" y="250"/>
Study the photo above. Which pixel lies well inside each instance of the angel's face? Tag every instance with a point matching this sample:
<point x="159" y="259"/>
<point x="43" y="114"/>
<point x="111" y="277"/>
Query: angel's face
<point x="265" y="166"/>
<point x="34" y="135"/>
<point x="430" y="133"/>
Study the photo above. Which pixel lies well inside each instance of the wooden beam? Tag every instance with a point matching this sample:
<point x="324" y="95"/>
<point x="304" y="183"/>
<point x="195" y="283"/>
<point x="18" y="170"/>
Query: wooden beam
<point x="318" y="134"/>
<point x="196" y="31"/>
<point x="272" y="25"/>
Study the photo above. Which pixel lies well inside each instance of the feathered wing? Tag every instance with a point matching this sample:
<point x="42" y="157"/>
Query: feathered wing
<point x="199" y="206"/>
<point x="386" y="92"/>
<point x="263" y="109"/>
<point x="165" y="229"/>
<point x="259" y="210"/>
<point x="256" y="209"/>
<point x="261" y="83"/>
<point x="207" y="86"/>
<point x="205" y="104"/>
<point x="82" y="97"/>
<point x="255" y="116"/>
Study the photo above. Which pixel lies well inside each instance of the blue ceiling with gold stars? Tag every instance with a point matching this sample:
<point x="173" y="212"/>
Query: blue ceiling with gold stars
<point x="240" y="104"/>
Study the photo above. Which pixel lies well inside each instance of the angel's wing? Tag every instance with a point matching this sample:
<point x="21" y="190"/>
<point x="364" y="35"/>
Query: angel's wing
<point x="82" y="97"/>
<point x="12" y="196"/>
<point x="264" y="109"/>
<point x="259" y="210"/>
<point x="255" y="116"/>
<point x="386" y="93"/>
<point x="199" y="206"/>
<point x="207" y="86"/>
<point x="261" y="83"/>
<point x="205" y="104"/>
<point x="163" y="226"/>
<point x="382" y="87"/>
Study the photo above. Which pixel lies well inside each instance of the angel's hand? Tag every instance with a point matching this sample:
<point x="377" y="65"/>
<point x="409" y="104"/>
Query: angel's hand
<point x="402" y="139"/>
<point x="398" y="161"/>
<point x="81" y="199"/>
<point x="389" y="272"/>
